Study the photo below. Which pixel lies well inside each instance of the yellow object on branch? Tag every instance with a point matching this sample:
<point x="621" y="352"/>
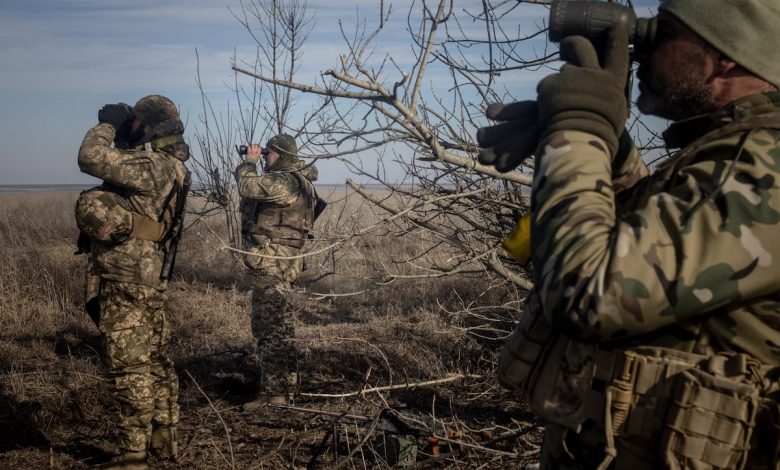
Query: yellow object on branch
<point x="518" y="243"/>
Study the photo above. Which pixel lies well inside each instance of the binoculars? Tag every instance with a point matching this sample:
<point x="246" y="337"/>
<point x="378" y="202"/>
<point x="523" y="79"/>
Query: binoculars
<point x="592" y="18"/>
<point x="242" y="149"/>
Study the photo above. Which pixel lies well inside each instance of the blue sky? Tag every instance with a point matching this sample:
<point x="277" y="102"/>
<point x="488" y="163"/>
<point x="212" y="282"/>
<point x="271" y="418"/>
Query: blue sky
<point x="64" y="59"/>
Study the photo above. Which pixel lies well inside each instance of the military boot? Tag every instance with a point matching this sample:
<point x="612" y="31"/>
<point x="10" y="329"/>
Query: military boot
<point x="163" y="443"/>
<point x="263" y="400"/>
<point x="127" y="461"/>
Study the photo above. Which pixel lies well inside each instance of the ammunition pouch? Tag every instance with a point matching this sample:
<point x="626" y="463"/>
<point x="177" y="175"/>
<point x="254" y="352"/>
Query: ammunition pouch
<point x="698" y="411"/>
<point x="683" y="409"/>
<point x="518" y="365"/>
<point x="287" y="225"/>
<point x="710" y="419"/>
<point x="290" y="237"/>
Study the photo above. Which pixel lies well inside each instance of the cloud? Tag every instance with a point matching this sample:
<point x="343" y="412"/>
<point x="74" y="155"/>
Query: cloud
<point x="72" y="56"/>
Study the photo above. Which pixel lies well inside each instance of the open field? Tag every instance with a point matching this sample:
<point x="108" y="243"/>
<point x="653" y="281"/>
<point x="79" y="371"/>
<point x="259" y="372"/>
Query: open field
<point x="354" y="333"/>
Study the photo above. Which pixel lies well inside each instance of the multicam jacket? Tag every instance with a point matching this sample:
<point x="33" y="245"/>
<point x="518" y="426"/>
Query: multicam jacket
<point x="147" y="180"/>
<point x="687" y="258"/>
<point x="656" y="296"/>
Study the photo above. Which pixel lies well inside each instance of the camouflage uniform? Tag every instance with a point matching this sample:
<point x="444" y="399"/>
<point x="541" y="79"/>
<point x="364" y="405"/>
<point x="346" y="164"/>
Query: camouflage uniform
<point x="141" y="187"/>
<point x="277" y="211"/>
<point x="682" y="260"/>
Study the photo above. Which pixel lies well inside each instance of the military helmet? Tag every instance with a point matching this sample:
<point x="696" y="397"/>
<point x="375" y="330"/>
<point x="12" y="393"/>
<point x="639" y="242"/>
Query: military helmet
<point x="284" y="145"/>
<point x="741" y="29"/>
<point x="160" y="115"/>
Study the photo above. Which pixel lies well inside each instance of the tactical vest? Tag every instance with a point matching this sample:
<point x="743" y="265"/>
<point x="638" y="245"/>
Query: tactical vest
<point x="287" y="225"/>
<point x="688" y="410"/>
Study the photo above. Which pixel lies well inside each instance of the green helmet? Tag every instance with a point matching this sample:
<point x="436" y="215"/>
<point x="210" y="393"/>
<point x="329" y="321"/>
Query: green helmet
<point x="741" y="29"/>
<point x="160" y="115"/>
<point x="284" y="145"/>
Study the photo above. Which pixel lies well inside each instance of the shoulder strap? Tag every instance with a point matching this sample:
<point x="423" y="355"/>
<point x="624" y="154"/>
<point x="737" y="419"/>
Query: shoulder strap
<point x="751" y="123"/>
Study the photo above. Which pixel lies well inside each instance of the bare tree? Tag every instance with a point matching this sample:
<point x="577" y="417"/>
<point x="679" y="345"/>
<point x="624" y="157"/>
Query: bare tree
<point x="280" y="28"/>
<point x="415" y="111"/>
<point x="391" y="108"/>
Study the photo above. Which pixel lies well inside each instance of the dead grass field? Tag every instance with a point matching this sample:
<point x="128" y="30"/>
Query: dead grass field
<point x="56" y="409"/>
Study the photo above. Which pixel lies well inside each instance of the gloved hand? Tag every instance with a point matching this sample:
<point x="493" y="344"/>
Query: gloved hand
<point x="115" y="114"/>
<point x="507" y="144"/>
<point x="587" y="95"/>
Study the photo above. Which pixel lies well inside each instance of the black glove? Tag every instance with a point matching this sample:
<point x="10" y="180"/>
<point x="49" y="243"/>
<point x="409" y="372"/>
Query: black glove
<point x="507" y="144"/>
<point x="115" y="114"/>
<point x="586" y="95"/>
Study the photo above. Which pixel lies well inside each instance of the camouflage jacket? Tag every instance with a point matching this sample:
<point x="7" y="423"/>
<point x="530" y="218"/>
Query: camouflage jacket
<point x="146" y="179"/>
<point x="683" y="258"/>
<point x="277" y="191"/>
<point x="275" y="187"/>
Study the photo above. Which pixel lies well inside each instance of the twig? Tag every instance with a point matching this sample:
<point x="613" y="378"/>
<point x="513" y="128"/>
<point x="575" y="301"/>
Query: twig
<point x="477" y="447"/>
<point x="369" y="433"/>
<point x="224" y="425"/>
<point x="451" y="378"/>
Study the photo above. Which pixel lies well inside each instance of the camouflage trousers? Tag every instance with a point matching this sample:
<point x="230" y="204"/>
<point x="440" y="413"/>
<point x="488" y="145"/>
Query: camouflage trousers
<point x="136" y="333"/>
<point x="272" y="315"/>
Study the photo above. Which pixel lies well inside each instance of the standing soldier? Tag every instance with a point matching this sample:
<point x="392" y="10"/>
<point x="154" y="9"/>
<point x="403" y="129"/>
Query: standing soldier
<point x="652" y="338"/>
<point x="131" y="225"/>
<point x="277" y="214"/>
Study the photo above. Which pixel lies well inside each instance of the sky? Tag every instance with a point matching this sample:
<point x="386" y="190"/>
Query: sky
<point x="64" y="59"/>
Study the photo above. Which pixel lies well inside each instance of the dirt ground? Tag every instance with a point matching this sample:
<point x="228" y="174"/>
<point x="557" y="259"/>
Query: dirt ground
<point x="360" y="357"/>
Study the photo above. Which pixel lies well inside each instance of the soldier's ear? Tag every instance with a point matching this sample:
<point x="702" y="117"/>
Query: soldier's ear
<point x="725" y="66"/>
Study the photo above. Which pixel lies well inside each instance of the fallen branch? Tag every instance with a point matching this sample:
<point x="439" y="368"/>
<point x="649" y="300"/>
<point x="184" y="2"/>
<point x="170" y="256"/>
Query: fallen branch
<point x="450" y="378"/>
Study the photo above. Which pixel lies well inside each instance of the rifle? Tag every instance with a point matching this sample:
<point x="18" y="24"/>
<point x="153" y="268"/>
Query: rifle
<point x="403" y="425"/>
<point x="176" y="230"/>
<point x="398" y="447"/>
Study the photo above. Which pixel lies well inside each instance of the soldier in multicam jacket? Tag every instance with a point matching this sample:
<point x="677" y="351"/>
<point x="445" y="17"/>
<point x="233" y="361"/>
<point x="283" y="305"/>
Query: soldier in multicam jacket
<point x="652" y="337"/>
<point x="277" y="215"/>
<point x="127" y="222"/>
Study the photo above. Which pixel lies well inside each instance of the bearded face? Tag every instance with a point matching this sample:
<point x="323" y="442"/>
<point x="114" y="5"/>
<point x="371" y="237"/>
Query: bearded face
<point x="677" y="94"/>
<point x="674" y="78"/>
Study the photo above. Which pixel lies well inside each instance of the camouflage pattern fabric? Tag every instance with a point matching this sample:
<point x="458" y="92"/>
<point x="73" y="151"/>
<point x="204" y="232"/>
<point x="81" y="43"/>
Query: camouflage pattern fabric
<point x="101" y="216"/>
<point x="272" y="294"/>
<point x="145" y="179"/>
<point x="683" y="259"/>
<point x="272" y="318"/>
<point x="137" y="334"/>
<point x="273" y="328"/>
<point x="131" y="298"/>
<point x="696" y="237"/>
<point x="274" y="187"/>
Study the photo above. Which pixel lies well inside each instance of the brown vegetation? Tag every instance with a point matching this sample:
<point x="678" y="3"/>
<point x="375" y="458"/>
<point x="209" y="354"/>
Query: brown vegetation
<point x="356" y="331"/>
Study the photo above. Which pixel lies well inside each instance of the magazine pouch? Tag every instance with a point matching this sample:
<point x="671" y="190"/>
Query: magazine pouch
<point x="712" y="414"/>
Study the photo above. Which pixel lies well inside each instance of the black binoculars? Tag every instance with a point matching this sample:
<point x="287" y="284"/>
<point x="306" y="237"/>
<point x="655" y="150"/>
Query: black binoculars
<point x="242" y="150"/>
<point x="592" y="18"/>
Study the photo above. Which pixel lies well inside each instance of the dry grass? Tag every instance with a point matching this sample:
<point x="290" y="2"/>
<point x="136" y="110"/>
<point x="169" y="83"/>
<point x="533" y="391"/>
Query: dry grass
<point x="57" y="410"/>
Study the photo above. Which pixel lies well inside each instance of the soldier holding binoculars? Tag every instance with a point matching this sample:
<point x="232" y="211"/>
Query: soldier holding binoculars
<point x="652" y="337"/>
